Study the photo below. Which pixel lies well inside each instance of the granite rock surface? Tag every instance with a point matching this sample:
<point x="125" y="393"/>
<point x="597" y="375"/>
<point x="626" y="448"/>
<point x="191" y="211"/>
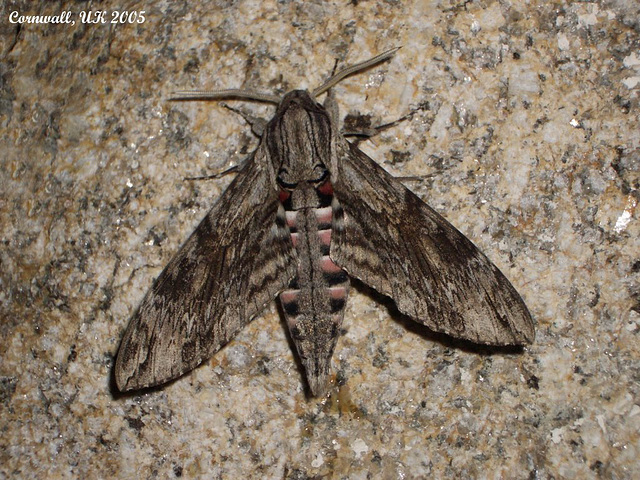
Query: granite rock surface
<point x="523" y="133"/>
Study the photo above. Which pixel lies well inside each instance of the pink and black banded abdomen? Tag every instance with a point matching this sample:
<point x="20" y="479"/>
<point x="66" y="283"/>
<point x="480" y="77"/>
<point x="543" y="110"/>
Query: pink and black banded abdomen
<point x="315" y="300"/>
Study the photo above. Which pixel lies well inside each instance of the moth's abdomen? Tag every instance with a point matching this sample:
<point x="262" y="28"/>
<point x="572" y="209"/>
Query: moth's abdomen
<point x="316" y="270"/>
<point x="315" y="300"/>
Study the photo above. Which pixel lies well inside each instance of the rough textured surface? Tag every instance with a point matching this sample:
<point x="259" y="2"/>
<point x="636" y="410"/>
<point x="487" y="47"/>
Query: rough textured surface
<point x="524" y="135"/>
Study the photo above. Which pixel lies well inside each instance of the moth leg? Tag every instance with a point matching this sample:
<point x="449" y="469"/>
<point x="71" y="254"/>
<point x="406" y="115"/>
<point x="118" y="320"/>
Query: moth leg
<point x="331" y="106"/>
<point x="257" y="124"/>
<point x="234" y="169"/>
<point x="370" y="132"/>
<point x="257" y="127"/>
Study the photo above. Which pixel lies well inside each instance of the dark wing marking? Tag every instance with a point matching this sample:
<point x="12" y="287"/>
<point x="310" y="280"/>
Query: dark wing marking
<point x="395" y="243"/>
<point x="236" y="261"/>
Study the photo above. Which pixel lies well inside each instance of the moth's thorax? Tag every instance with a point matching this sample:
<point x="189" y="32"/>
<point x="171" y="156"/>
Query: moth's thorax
<point x="299" y="140"/>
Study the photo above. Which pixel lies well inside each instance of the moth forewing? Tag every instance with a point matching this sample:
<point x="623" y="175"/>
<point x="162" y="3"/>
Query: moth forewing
<point x="223" y="275"/>
<point x="435" y="275"/>
<point x="305" y="211"/>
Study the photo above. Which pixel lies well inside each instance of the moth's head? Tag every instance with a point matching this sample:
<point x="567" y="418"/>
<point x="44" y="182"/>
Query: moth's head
<point x="298" y="99"/>
<point x="298" y="139"/>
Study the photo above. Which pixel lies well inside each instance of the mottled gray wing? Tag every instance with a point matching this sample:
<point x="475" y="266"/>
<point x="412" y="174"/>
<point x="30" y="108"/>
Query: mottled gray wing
<point x="236" y="261"/>
<point x="398" y="245"/>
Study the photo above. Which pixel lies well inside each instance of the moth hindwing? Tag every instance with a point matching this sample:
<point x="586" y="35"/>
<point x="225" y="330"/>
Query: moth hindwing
<point x="306" y="211"/>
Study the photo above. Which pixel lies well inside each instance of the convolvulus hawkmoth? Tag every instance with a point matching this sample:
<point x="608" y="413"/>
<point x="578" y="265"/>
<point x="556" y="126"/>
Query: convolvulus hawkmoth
<point x="307" y="210"/>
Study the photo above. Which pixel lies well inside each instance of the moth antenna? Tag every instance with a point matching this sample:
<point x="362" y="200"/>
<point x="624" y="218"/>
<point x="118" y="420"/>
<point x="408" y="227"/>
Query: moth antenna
<point x="345" y="72"/>
<point x="220" y="94"/>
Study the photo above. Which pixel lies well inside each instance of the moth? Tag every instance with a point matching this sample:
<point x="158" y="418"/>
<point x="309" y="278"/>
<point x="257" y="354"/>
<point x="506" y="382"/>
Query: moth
<point x="306" y="211"/>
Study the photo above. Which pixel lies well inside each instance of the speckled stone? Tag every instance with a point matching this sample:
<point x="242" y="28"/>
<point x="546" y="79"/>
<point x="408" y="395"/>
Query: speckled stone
<point x="524" y="134"/>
